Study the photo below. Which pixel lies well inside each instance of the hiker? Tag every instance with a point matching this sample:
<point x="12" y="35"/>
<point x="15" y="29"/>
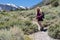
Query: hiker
<point x="39" y="17"/>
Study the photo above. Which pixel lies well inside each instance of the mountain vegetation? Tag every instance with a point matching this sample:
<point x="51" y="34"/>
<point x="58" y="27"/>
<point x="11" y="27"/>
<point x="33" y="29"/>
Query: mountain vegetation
<point x="47" y="2"/>
<point x="17" y="25"/>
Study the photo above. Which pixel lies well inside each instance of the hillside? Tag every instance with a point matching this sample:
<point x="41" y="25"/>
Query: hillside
<point x="46" y="2"/>
<point x="23" y="22"/>
<point x="23" y="19"/>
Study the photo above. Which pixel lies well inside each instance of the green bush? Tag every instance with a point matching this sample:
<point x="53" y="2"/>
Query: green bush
<point x="55" y="3"/>
<point x="54" y="31"/>
<point x="13" y="34"/>
<point x="25" y="25"/>
<point x="50" y="16"/>
<point x="26" y="37"/>
<point x="29" y="27"/>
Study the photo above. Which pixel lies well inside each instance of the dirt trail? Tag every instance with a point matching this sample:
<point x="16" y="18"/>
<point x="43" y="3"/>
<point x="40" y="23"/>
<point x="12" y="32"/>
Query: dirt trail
<point x="41" y="35"/>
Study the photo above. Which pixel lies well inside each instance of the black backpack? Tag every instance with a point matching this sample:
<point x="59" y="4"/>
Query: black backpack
<point x="43" y="15"/>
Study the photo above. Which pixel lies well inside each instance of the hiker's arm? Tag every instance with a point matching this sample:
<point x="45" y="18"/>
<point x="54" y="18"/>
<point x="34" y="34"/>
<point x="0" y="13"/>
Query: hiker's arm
<point x="40" y="15"/>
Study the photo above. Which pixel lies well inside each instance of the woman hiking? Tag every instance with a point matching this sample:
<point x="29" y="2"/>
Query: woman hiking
<point x="39" y="17"/>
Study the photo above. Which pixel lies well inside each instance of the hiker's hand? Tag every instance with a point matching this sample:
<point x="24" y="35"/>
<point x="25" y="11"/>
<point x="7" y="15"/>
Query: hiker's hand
<point x="37" y="17"/>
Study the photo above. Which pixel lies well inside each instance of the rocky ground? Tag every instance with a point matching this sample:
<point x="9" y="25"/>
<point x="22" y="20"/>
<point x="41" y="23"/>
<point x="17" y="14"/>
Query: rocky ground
<point x="41" y="36"/>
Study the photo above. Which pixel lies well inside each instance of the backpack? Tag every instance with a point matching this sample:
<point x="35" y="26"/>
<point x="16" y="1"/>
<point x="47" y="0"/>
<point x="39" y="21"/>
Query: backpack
<point x="43" y="15"/>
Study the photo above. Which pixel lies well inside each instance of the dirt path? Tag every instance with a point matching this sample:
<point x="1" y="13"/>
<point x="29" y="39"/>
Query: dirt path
<point x="40" y="35"/>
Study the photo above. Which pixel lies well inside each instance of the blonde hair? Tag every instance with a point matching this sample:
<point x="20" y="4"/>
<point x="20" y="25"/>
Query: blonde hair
<point x="39" y="9"/>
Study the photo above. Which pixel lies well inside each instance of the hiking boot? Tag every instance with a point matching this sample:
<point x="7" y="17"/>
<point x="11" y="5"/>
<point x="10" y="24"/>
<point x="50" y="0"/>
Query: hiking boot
<point x="42" y="29"/>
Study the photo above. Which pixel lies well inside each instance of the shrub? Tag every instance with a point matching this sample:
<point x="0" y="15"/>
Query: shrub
<point x="54" y="31"/>
<point x="55" y="3"/>
<point x="50" y="16"/>
<point x="26" y="37"/>
<point x="29" y="27"/>
<point x="13" y="34"/>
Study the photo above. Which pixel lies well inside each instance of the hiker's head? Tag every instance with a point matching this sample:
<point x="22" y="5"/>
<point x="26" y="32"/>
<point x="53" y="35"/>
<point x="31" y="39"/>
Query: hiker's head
<point x="38" y="9"/>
